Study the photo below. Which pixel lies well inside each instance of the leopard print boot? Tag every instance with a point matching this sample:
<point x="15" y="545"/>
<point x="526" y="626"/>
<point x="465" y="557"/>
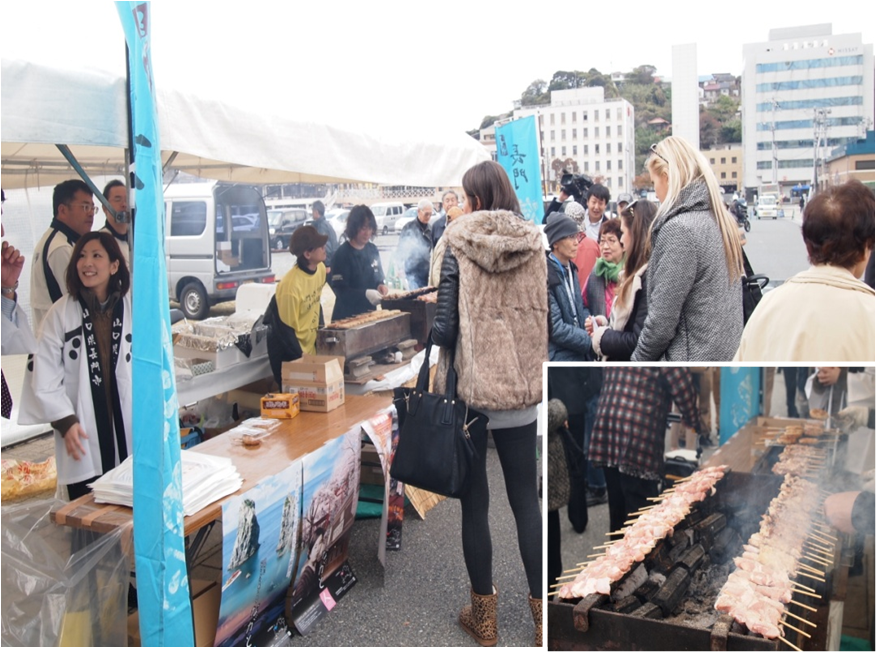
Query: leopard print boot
<point x="479" y="618"/>
<point x="535" y="606"/>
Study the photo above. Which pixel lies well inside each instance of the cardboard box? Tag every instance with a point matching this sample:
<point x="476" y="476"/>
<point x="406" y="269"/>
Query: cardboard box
<point x="283" y="406"/>
<point x="317" y="379"/>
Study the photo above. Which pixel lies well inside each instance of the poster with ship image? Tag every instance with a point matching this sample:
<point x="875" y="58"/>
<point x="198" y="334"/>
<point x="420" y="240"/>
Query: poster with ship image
<point x="260" y="549"/>
<point x="382" y="429"/>
<point x="322" y="575"/>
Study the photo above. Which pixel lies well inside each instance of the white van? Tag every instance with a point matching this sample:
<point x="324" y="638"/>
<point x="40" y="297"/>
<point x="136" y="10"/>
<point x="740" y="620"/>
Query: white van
<point x="386" y="215"/>
<point x="216" y="239"/>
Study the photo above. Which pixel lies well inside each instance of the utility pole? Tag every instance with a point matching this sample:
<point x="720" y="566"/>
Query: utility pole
<point x="820" y="124"/>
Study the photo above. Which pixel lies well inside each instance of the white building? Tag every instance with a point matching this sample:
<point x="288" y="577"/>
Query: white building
<point x="597" y="134"/>
<point x="803" y="85"/>
<point x="686" y="102"/>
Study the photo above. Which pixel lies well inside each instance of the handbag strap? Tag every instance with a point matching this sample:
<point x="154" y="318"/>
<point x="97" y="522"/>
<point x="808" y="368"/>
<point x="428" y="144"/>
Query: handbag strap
<point x="422" y="379"/>
<point x="747" y="268"/>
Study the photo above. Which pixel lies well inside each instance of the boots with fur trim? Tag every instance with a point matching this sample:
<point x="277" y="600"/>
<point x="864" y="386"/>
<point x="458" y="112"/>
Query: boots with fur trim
<point x="480" y="618"/>
<point x="535" y="606"/>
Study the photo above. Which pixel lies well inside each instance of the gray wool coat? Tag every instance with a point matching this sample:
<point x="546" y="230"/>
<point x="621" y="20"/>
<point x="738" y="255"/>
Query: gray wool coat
<point x="695" y="312"/>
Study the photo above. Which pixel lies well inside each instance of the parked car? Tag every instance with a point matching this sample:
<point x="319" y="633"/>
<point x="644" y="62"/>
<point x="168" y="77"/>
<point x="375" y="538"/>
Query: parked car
<point x="337" y="220"/>
<point x="282" y="224"/>
<point x="217" y="238"/>
<point x="387" y="215"/>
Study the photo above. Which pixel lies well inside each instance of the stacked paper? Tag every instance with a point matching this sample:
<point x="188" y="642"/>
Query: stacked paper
<point x="206" y="479"/>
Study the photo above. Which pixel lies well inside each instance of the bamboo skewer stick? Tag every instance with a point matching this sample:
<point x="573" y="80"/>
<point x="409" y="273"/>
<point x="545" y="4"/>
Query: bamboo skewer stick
<point x="824" y="562"/>
<point x="821" y="558"/>
<point x="793" y="627"/>
<point x="558" y="585"/>
<point x="803" y="620"/>
<point x="820" y="539"/>
<point x="804" y="586"/>
<point x="573" y="570"/>
<point x="807" y="593"/>
<point x="819" y="547"/>
<point x="567" y="577"/>
<point x="615" y="533"/>
<point x="794" y="647"/>
<point x="800" y="604"/>
<point x="803" y="574"/>
<point x="811" y="569"/>
<point x="817" y="524"/>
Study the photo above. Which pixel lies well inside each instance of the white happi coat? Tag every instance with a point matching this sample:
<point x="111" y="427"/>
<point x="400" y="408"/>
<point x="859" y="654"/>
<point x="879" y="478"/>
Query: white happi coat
<point x="57" y="385"/>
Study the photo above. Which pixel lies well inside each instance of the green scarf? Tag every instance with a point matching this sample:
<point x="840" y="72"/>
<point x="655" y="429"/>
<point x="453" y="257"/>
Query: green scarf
<point x="608" y="270"/>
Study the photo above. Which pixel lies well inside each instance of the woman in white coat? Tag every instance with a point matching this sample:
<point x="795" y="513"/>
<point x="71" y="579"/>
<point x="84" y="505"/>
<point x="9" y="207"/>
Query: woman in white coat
<point x="79" y="380"/>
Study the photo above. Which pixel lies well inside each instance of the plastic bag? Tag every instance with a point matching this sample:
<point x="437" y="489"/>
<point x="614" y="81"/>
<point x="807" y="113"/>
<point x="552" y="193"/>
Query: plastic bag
<point x="61" y="586"/>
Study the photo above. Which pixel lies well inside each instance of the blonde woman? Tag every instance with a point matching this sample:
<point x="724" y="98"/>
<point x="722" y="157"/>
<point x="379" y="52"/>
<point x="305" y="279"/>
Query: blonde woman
<point x="693" y="288"/>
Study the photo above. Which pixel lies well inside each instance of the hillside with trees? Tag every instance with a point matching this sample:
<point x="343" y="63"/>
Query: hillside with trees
<point x="651" y="100"/>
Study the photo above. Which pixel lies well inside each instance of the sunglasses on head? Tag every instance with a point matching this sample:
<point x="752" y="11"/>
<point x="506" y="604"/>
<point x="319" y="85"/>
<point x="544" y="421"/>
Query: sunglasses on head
<point x="654" y="149"/>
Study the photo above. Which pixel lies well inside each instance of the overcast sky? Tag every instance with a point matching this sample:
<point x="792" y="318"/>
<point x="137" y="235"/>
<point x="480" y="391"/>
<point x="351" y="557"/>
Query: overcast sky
<point x="402" y="64"/>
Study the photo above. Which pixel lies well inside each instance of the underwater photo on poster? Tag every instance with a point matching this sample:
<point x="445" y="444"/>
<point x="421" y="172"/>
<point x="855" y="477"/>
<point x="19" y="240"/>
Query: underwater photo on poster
<point x="261" y="531"/>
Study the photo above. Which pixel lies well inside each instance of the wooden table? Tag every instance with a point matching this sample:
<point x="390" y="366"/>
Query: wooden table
<point x="283" y="445"/>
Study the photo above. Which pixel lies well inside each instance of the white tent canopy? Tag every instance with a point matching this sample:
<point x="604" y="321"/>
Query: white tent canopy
<point x="44" y="105"/>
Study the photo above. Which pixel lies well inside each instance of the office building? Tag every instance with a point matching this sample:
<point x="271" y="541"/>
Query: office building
<point x="805" y="91"/>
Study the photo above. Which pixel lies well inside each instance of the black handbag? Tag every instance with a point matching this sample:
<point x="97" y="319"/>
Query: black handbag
<point x="752" y="288"/>
<point x="435" y="451"/>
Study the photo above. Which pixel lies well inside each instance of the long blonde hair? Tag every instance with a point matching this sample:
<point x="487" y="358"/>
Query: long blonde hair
<point x="683" y="164"/>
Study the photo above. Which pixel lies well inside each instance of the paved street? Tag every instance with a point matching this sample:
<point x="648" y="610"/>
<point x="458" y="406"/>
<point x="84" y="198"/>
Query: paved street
<point x="775" y="247"/>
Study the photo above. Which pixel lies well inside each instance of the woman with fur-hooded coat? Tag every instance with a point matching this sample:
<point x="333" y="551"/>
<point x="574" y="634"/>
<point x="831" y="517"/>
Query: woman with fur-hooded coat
<point x="492" y="312"/>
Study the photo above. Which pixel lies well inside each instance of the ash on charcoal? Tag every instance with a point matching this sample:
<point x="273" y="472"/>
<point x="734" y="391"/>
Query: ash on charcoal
<point x="703" y="589"/>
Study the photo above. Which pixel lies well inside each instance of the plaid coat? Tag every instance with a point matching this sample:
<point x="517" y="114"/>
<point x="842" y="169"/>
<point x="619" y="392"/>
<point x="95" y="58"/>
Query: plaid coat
<point x="628" y="433"/>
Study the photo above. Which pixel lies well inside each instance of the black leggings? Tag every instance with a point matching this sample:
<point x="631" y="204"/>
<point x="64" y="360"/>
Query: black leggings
<point x="626" y="495"/>
<point x="517" y="453"/>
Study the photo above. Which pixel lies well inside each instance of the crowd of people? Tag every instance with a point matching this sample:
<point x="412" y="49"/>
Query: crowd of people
<point x="658" y="282"/>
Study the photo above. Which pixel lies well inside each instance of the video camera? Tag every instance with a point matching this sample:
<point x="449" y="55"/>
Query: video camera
<point x="576" y="186"/>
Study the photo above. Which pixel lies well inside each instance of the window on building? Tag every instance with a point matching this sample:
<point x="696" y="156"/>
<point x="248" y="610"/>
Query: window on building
<point x="553" y="135"/>
<point x="598" y="166"/>
<point x="608" y="165"/>
<point x="620" y="130"/>
<point x="596" y="132"/>
<point x="584" y="116"/>
<point x="608" y="148"/>
<point x="608" y="114"/>
<point x="620" y="147"/>
<point x="596" y="149"/>
<point x="712" y="159"/>
<point x="864" y="165"/>
<point x="724" y="160"/>
<point x="575" y="150"/>
<point x="586" y="165"/>
<point x="574" y="133"/>
<point x="723" y="175"/>
<point x="734" y="160"/>
<point x="620" y="164"/>
<point x="586" y="133"/>
<point x="553" y="116"/>
<point x="620" y="113"/>
<point x="574" y="117"/>
<point x="553" y="151"/>
<point x="620" y="182"/>
<point x="596" y="115"/>
<point x="563" y="151"/>
<point x="608" y="131"/>
<point x="734" y="174"/>
<point x="542" y="135"/>
<point x="541" y="120"/>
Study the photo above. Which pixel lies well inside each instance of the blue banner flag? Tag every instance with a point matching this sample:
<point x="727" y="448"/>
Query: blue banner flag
<point x="160" y="563"/>
<point x="517" y="151"/>
<point x="739" y="389"/>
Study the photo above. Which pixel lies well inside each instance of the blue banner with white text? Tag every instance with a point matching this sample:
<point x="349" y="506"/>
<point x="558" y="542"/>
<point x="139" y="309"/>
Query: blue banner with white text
<point x="160" y="563"/>
<point x="517" y="152"/>
<point x="739" y="389"/>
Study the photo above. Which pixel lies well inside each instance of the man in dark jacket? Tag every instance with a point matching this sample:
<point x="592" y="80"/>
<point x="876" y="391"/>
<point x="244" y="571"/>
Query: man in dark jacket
<point x="322" y="225"/>
<point x="568" y="339"/>
<point x="448" y="200"/>
<point x="414" y="248"/>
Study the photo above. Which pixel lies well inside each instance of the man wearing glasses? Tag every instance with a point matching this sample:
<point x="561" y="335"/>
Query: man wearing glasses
<point x="74" y="210"/>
